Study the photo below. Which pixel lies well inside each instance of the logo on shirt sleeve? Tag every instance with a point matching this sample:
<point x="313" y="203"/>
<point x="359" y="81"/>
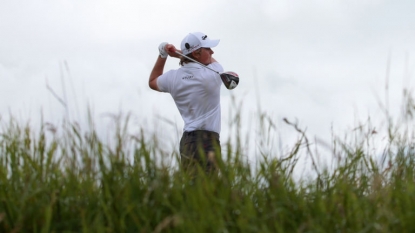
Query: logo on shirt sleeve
<point x="187" y="77"/>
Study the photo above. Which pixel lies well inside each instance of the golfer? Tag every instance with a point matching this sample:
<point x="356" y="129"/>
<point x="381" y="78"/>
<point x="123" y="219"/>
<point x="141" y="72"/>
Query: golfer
<point x="196" y="92"/>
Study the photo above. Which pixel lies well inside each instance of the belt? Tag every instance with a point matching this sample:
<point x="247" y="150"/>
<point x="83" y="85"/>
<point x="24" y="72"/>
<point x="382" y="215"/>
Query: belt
<point x="204" y="133"/>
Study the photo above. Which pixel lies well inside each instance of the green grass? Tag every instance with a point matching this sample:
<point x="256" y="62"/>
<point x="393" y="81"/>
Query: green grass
<point x="67" y="179"/>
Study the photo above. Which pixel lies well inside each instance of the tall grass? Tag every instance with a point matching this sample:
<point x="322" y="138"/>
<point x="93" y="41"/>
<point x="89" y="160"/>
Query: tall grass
<point x="67" y="179"/>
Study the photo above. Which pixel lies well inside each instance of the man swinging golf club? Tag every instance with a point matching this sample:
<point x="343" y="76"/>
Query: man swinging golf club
<point x="195" y="88"/>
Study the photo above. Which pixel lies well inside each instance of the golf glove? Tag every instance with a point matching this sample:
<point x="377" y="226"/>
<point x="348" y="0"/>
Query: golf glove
<point x="162" y="50"/>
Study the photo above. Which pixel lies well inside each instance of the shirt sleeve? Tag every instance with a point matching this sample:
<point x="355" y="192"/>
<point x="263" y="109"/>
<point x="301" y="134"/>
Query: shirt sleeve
<point x="218" y="67"/>
<point x="163" y="81"/>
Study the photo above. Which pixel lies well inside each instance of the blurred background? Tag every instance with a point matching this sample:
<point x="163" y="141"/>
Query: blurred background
<point x="327" y="65"/>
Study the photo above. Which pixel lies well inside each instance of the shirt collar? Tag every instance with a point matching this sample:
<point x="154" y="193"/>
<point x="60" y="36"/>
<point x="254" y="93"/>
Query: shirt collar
<point x="192" y="65"/>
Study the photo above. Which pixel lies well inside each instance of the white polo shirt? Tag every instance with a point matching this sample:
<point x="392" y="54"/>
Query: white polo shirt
<point x="196" y="92"/>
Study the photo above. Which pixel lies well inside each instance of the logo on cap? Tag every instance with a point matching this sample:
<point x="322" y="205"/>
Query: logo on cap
<point x="204" y="37"/>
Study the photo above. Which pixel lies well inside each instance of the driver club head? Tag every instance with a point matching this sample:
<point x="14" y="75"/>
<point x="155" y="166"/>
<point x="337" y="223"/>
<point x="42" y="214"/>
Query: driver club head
<point x="230" y="79"/>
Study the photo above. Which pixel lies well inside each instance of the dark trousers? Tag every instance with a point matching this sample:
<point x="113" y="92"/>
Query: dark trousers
<point x="199" y="147"/>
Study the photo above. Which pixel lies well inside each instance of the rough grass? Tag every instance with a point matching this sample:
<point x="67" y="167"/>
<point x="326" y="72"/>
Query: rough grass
<point x="66" y="179"/>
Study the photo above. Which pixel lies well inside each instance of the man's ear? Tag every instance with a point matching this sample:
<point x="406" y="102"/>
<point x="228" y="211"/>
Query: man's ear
<point x="196" y="54"/>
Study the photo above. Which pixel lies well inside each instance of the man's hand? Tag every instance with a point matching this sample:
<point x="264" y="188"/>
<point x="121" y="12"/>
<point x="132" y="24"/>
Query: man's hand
<point x="171" y="50"/>
<point x="162" y="50"/>
<point x="167" y="49"/>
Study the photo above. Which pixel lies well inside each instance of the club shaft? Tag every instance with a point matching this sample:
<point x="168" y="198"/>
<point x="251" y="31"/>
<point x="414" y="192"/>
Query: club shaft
<point x="196" y="62"/>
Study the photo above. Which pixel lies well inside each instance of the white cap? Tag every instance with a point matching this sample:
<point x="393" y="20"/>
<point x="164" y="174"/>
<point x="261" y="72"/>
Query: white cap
<point x="196" y="40"/>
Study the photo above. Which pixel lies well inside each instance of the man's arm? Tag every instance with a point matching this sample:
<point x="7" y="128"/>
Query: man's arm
<point x="156" y="72"/>
<point x="159" y="66"/>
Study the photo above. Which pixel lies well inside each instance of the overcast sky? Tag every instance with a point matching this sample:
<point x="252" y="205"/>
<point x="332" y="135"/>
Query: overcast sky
<point x="320" y="62"/>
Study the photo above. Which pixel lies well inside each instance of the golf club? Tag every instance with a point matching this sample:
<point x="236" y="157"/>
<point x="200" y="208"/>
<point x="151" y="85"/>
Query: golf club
<point x="229" y="78"/>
